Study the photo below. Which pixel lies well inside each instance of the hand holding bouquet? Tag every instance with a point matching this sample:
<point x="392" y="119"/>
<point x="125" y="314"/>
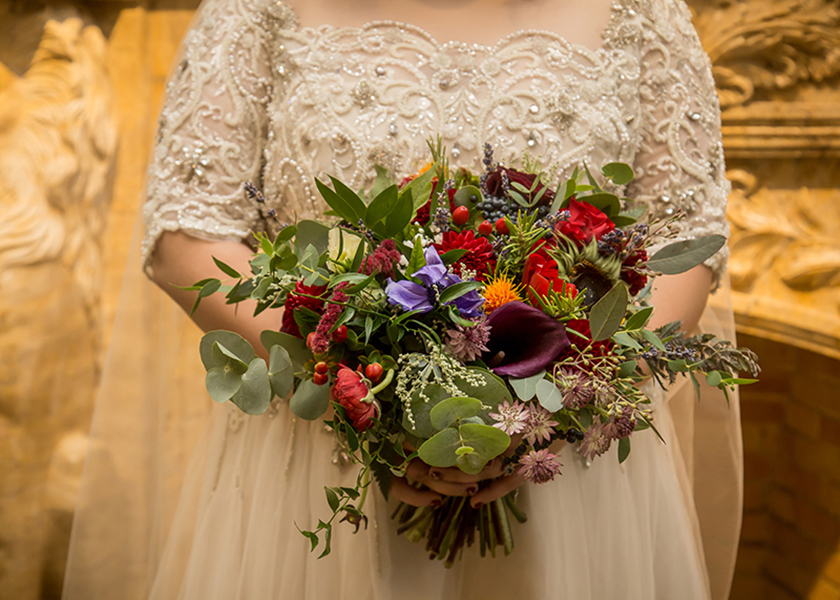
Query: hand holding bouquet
<point x="452" y="313"/>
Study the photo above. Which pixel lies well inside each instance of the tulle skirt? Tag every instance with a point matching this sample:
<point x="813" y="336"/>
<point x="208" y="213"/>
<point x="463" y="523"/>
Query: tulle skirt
<point x="599" y="532"/>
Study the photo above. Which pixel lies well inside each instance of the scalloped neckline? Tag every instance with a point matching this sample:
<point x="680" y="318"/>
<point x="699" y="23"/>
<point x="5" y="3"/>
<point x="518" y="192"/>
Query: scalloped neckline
<point x="615" y="12"/>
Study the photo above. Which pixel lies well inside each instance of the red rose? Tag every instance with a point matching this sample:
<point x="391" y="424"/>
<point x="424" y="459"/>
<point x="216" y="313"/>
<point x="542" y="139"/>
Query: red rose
<point x="354" y="396"/>
<point x="493" y="182"/>
<point x="636" y="281"/>
<point x="479" y="257"/>
<point x="541" y="275"/>
<point x="585" y="222"/>
<point x="294" y="301"/>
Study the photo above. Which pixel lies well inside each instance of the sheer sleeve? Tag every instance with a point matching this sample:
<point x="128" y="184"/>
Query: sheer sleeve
<point x="680" y="162"/>
<point x="213" y="124"/>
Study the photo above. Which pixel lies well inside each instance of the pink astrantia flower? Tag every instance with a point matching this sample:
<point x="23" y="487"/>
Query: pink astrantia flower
<point x="540" y="466"/>
<point x="468" y="343"/>
<point x="596" y="440"/>
<point x="512" y="418"/>
<point x="539" y="426"/>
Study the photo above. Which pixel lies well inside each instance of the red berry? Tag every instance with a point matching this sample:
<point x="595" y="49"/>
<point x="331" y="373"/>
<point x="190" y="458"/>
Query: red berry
<point x="485" y="228"/>
<point x="374" y="372"/>
<point x="501" y="227"/>
<point x="340" y="334"/>
<point x="309" y="339"/>
<point x="321" y="368"/>
<point x="320" y="378"/>
<point x="461" y="215"/>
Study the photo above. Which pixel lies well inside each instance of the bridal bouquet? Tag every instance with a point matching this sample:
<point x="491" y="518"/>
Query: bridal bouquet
<point x="446" y="315"/>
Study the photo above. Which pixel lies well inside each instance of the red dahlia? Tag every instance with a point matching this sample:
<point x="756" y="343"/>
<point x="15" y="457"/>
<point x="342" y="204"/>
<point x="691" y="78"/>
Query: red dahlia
<point x="479" y="257"/>
<point x="294" y="301"/>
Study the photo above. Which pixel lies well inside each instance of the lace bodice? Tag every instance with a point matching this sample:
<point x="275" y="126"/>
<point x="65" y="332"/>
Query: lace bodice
<point x="257" y="98"/>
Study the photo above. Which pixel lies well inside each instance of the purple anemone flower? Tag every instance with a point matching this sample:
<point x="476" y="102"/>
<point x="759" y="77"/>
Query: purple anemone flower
<point x="523" y="340"/>
<point x="434" y="279"/>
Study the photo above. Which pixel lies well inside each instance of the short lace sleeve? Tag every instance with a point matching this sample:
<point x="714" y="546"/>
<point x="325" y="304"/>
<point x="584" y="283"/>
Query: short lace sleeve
<point x="680" y="162"/>
<point x="213" y="124"/>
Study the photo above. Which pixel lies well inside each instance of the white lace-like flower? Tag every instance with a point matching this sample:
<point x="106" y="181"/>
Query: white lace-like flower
<point x="540" y="425"/>
<point x="512" y="418"/>
<point x="540" y="466"/>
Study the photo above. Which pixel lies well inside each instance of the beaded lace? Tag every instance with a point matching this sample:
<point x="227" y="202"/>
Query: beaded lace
<point x="255" y="98"/>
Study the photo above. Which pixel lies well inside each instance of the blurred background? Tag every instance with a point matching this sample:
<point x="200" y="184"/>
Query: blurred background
<point x="80" y="84"/>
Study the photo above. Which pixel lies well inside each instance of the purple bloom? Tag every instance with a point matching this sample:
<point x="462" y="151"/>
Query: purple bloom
<point x="540" y="466"/>
<point x="540" y="425"/>
<point x="597" y="440"/>
<point x="424" y="296"/>
<point x="467" y="343"/>
<point x="523" y="340"/>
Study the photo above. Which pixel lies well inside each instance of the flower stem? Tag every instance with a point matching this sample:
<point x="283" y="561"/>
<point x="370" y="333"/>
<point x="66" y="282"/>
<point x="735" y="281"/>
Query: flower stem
<point x="389" y="377"/>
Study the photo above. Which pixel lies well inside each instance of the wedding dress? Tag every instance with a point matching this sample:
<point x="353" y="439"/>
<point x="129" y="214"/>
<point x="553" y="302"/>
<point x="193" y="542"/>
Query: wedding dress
<point x="257" y="97"/>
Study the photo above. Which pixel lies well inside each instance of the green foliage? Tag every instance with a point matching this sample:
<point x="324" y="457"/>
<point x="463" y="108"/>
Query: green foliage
<point x="607" y="314"/>
<point x="281" y="373"/>
<point x="526" y="388"/>
<point x="310" y="401"/>
<point x="549" y="396"/>
<point x="682" y="256"/>
<point x="449" y="411"/>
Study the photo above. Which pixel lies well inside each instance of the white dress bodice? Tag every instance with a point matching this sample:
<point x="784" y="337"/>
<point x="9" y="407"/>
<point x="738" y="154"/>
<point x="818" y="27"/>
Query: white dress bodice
<point x="256" y="98"/>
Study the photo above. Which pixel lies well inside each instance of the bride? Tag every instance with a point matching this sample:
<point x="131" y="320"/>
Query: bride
<point x="280" y="93"/>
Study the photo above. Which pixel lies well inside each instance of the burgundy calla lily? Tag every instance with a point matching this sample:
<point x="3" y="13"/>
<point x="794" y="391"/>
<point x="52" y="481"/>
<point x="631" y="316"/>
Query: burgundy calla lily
<point x="523" y="340"/>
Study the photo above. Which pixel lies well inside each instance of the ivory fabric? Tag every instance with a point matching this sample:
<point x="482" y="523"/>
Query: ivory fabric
<point x="259" y="97"/>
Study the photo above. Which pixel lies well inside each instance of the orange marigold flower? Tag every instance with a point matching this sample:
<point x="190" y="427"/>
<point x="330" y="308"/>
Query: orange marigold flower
<point x="500" y="290"/>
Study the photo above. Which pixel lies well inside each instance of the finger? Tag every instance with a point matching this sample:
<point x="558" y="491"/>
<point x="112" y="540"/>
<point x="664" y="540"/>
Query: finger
<point x="492" y="470"/>
<point x="409" y="494"/>
<point x="417" y="470"/>
<point x="451" y="489"/>
<point x="497" y="489"/>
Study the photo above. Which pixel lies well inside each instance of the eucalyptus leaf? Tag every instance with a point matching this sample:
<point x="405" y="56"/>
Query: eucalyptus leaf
<point x="653" y="339"/>
<point x="619" y="173"/>
<point x="549" y="396"/>
<point x="449" y="411"/>
<point x="682" y="256"/>
<point x="233" y="342"/>
<point x="470" y="462"/>
<point x="492" y="393"/>
<point x="607" y="314"/>
<point x="623" y="449"/>
<point x="441" y="449"/>
<point x="310" y="401"/>
<point x="255" y="394"/>
<point x="222" y="383"/>
<point x="526" y="388"/>
<point x="468" y="196"/>
<point x="225" y="358"/>
<point x="714" y="378"/>
<point x="281" y="374"/>
<point x="638" y="320"/>
<point x="295" y="347"/>
<point x="625" y="339"/>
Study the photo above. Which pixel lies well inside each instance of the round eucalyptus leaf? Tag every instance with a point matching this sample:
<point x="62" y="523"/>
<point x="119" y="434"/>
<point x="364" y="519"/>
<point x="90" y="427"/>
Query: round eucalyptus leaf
<point x="439" y="450"/>
<point x="310" y="401"/>
<point x="468" y="196"/>
<point x="491" y="394"/>
<point x="470" y="463"/>
<point x="620" y="173"/>
<point x="447" y="412"/>
<point x="549" y="396"/>
<point x="488" y="442"/>
<point x="295" y="346"/>
<point x="225" y="358"/>
<point x="464" y="450"/>
<point x="526" y="387"/>
<point x="254" y="395"/>
<point x="281" y="375"/>
<point x="222" y="383"/>
<point x="233" y="342"/>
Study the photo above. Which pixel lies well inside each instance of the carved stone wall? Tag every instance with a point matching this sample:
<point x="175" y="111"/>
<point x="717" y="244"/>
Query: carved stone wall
<point x="777" y="65"/>
<point x="57" y="150"/>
